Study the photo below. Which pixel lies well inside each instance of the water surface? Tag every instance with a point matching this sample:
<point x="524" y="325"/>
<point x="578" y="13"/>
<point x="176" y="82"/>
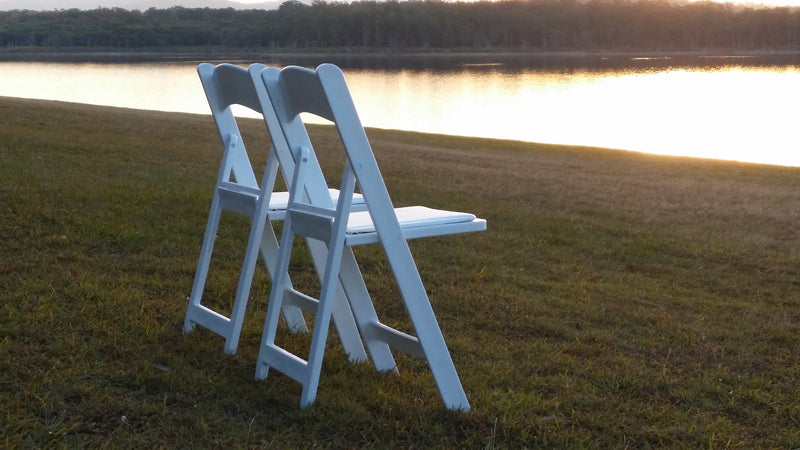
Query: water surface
<point x="728" y="108"/>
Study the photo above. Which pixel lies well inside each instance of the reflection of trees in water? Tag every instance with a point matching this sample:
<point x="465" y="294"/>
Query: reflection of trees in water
<point x="439" y="62"/>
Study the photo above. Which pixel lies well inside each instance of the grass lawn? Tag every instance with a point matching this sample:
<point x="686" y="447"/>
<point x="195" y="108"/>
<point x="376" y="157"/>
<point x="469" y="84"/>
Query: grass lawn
<point x="616" y="300"/>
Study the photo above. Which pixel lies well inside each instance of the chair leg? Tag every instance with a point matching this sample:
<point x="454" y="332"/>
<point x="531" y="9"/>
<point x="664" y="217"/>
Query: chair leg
<point x="196" y="296"/>
<point x="364" y="312"/>
<point x="315" y="357"/>
<point x="254" y="241"/>
<point x="438" y="356"/>
<point x="281" y="285"/>
<point x="428" y="332"/>
<point x="343" y="318"/>
<point x="292" y="315"/>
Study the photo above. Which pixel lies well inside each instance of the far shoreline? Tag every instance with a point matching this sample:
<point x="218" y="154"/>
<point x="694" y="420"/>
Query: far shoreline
<point x="216" y="54"/>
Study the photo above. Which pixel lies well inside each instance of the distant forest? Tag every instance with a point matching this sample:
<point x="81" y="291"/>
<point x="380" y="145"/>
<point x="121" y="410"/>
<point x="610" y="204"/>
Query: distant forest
<point x="535" y="25"/>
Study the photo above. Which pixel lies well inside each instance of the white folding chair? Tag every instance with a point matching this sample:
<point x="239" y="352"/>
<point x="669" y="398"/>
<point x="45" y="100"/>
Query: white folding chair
<point x="311" y="214"/>
<point x="237" y="190"/>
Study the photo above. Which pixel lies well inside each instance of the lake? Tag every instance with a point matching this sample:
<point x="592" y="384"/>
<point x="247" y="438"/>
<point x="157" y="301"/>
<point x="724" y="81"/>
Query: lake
<point x="736" y="108"/>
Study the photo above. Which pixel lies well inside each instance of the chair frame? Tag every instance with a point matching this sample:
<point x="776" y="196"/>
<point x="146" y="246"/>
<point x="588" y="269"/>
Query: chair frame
<point x="237" y="190"/>
<point x="323" y="92"/>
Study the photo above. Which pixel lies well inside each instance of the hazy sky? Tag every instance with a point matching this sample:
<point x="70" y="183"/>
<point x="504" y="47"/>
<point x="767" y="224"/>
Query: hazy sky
<point x="766" y="2"/>
<point x="66" y="4"/>
<point x="130" y="4"/>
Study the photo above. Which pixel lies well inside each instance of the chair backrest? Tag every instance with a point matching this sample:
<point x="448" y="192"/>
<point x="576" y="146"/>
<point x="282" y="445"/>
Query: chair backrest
<point x="289" y="138"/>
<point x="323" y="92"/>
<point x="226" y="85"/>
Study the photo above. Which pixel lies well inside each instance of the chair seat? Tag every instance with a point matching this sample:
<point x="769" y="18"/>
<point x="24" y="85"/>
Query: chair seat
<point x="415" y="222"/>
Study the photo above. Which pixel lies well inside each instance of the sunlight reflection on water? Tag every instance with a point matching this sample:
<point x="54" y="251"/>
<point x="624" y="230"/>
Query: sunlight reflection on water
<point x="734" y="112"/>
<point x="739" y="114"/>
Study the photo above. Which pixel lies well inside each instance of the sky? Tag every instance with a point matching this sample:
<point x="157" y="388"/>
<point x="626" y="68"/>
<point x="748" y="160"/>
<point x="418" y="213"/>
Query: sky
<point x="91" y="4"/>
<point x="131" y="4"/>
<point x="765" y="2"/>
<point x="768" y="2"/>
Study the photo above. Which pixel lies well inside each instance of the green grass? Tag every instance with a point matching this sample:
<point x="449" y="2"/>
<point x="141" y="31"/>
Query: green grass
<point x="616" y="300"/>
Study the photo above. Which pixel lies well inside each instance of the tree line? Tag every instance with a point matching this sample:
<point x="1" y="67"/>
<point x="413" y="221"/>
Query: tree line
<point x="544" y="25"/>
